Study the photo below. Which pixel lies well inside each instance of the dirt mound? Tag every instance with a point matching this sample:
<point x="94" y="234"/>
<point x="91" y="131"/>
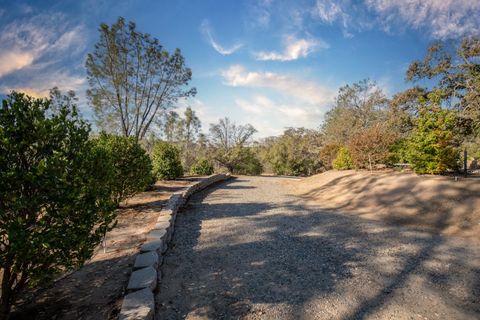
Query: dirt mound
<point x="431" y="202"/>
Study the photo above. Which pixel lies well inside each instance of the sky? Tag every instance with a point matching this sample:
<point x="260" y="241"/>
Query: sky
<point x="271" y="63"/>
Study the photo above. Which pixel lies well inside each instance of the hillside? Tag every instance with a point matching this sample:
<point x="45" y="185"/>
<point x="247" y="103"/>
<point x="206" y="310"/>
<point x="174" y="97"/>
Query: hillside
<point x="440" y="204"/>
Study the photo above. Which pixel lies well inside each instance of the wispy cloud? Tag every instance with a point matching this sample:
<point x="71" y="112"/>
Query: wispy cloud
<point x="441" y="19"/>
<point x="261" y="14"/>
<point x="307" y="91"/>
<point x="206" y="30"/>
<point x="33" y="50"/>
<point x="294" y="49"/>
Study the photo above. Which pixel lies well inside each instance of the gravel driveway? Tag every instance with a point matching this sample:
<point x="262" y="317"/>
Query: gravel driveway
<point x="248" y="250"/>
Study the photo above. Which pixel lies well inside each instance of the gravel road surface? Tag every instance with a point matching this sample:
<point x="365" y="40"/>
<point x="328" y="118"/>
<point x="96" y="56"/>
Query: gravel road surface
<point x="245" y="249"/>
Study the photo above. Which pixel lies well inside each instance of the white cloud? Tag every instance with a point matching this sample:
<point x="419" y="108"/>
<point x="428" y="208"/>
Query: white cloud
<point x="271" y="117"/>
<point x="261" y="14"/>
<point x="33" y="50"/>
<point x="207" y="32"/>
<point x="259" y="105"/>
<point x="294" y="49"/>
<point x="39" y="86"/>
<point x="443" y="18"/>
<point x="14" y="60"/>
<point x="307" y="91"/>
<point x="294" y="103"/>
<point x="329" y="11"/>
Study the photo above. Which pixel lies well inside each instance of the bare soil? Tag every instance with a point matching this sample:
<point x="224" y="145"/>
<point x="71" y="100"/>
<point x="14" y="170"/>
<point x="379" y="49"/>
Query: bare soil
<point x="96" y="290"/>
<point x="434" y="203"/>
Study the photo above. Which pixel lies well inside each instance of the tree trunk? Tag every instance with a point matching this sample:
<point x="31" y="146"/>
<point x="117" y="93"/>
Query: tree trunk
<point x="5" y="295"/>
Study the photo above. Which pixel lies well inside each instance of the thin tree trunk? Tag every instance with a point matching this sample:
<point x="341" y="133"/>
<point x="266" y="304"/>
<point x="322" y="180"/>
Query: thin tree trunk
<point x="5" y="295"/>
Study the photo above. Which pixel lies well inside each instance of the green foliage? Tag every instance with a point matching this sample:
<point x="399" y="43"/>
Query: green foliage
<point x="248" y="163"/>
<point x="133" y="79"/>
<point x="54" y="204"/>
<point x="202" y="167"/>
<point x="166" y="161"/>
<point x="132" y="167"/>
<point x="327" y="154"/>
<point x="296" y="153"/>
<point x="457" y="72"/>
<point x="228" y="141"/>
<point x="343" y="161"/>
<point x="398" y="152"/>
<point x="432" y="147"/>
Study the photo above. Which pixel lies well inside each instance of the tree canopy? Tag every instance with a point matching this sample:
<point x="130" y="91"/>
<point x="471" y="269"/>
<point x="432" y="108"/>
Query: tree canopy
<point x="133" y="79"/>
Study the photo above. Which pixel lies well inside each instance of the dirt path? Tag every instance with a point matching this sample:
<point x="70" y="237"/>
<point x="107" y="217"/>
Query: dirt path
<point x="248" y="250"/>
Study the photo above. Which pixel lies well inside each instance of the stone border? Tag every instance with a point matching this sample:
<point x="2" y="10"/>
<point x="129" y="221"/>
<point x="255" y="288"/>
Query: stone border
<point x="139" y="303"/>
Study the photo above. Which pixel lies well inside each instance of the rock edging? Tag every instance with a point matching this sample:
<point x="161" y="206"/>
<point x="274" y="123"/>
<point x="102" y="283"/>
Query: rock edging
<point x="139" y="303"/>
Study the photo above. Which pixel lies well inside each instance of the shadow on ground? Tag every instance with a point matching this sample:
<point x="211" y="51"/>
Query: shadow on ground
<point x="246" y="249"/>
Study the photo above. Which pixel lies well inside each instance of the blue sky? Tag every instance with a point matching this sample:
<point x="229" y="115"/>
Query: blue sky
<point x="272" y="63"/>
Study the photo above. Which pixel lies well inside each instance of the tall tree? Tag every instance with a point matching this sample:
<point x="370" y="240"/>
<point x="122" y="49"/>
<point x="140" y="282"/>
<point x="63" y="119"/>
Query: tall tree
<point x="357" y="106"/>
<point x="132" y="79"/>
<point x="170" y="126"/>
<point x="457" y="74"/>
<point x="228" y="140"/>
<point x="190" y="126"/>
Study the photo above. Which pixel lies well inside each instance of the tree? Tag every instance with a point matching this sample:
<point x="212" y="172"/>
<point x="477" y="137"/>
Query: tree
<point x="227" y="140"/>
<point x="343" y="161"/>
<point x="203" y="167"/>
<point x="54" y="204"/>
<point x="371" y="146"/>
<point x="357" y="106"/>
<point x="328" y="153"/>
<point x="171" y="126"/>
<point x="433" y="147"/>
<point x="248" y="163"/>
<point x="189" y="128"/>
<point x="457" y="73"/>
<point x="166" y="161"/>
<point x="132" y="79"/>
<point x="296" y="152"/>
<point x="131" y="165"/>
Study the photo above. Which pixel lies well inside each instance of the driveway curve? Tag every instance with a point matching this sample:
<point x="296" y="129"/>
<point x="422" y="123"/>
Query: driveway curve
<point x="246" y="249"/>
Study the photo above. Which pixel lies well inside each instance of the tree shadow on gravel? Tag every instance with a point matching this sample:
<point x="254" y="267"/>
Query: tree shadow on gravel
<point x="288" y="254"/>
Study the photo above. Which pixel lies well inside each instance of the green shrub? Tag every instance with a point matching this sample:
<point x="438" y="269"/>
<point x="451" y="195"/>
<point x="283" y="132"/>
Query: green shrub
<point x="132" y="167"/>
<point x="343" y="161"/>
<point x="203" y="167"/>
<point x="54" y="204"/>
<point x="398" y="152"/>
<point x="166" y="161"/>
<point x="432" y="147"/>
<point x="248" y="163"/>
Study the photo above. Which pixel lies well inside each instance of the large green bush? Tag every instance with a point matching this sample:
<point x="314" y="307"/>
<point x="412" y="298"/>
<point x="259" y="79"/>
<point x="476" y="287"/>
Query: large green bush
<point x="166" y="161"/>
<point x="54" y="204"/>
<point x="343" y="161"/>
<point x="433" y="147"/>
<point x="248" y="163"/>
<point x="203" y="167"/>
<point x="132" y="166"/>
